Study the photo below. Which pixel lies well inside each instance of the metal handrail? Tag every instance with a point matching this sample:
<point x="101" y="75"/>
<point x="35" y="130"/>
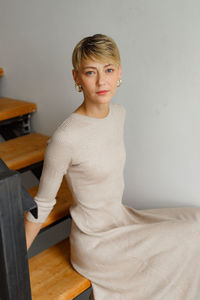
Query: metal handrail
<point x="14" y="201"/>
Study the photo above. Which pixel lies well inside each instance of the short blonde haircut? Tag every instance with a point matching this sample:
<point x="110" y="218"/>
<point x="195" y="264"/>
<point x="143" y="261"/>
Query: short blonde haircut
<point x="96" y="47"/>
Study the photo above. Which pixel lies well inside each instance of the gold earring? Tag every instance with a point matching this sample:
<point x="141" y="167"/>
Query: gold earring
<point x="78" y="87"/>
<point x="119" y="82"/>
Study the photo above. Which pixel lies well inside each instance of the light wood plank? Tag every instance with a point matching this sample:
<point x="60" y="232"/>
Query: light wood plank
<point x="24" y="150"/>
<point x="63" y="202"/>
<point x="52" y="275"/>
<point x="10" y="108"/>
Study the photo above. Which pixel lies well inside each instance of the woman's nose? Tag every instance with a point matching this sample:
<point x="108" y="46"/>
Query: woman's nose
<point x="100" y="79"/>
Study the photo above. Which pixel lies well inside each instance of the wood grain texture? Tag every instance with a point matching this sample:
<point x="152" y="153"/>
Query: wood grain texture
<point x="52" y="275"/>
<point x="24" y="150"/>
<point x="10" y="108"/>
<point x="63" y="202"/>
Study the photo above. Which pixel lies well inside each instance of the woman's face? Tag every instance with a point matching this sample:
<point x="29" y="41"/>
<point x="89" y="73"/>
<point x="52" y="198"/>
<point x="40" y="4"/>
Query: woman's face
<point x="98" y="80"/>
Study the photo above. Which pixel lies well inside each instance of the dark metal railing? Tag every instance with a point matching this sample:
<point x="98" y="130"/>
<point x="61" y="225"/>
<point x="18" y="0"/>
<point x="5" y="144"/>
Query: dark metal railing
<point x="14" y="201"/>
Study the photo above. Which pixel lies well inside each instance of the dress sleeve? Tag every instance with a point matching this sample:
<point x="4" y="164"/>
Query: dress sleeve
<point x="124" y="111"/>
<point x="58" y="157"/>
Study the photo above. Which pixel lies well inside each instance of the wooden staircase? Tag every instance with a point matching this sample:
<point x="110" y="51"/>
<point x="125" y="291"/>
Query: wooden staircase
<point x="52" y="276"/>
<point x="23" y="151"/>
<point x="10" y="108"/>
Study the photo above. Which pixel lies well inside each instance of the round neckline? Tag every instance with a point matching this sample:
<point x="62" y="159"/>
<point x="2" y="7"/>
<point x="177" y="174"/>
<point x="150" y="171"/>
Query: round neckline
<point x="93" y="118"/>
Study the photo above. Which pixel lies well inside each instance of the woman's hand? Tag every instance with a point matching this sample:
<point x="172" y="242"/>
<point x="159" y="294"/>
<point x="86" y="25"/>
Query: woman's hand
<point x="31" y="229"/>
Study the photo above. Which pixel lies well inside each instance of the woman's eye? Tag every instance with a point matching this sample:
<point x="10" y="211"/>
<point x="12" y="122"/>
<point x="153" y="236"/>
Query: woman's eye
<point x="110" y="70"/>
<point x="90" y="72"/>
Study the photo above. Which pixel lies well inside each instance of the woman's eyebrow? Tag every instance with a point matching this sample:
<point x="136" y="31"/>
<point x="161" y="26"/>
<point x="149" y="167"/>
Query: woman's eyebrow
<point x="91" y="67"/>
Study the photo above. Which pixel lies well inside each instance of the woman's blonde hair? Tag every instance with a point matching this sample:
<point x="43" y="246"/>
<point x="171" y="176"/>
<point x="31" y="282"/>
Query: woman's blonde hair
<point x="96" y="47"/>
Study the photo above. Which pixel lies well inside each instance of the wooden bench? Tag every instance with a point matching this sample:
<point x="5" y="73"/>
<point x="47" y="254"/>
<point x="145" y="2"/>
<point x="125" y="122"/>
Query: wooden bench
<point x="11" y="108"/>
<point x="23" y="151"/>
<point x="61" y="208"/>
<point x="52" y="275"/>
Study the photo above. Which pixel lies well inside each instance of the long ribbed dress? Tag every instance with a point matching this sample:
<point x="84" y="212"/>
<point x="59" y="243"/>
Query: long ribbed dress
<point x="128" y="254"/>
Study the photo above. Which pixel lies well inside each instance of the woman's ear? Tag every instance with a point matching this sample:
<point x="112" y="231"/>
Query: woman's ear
<point x="120" y="70"/>
<point x="74" y="74"/>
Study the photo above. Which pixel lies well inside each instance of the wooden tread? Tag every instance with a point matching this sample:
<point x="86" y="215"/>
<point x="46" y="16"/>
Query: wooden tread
<point x="10" y="108"/>
<point x="1" y="72"/>
<point x="23" y="151"/>
<point x="52" y="276"/>
<point x="63" y="202"/>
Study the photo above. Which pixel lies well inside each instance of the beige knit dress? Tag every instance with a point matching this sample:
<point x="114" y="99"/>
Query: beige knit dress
<point x="127" y="254"/>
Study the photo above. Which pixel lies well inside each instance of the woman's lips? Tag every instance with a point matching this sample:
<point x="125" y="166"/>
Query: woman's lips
<point x="102" y="92"/>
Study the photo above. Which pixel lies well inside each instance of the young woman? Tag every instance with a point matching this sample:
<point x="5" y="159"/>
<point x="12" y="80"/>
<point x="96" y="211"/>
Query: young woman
<point x="127" y="254"/>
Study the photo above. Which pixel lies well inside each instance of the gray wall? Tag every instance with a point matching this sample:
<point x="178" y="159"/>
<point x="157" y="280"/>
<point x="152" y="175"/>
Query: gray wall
<point x="159" y="43"/>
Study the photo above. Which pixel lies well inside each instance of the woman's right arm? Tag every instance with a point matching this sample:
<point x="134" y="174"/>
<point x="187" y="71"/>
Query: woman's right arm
<point x="57" y="159"/>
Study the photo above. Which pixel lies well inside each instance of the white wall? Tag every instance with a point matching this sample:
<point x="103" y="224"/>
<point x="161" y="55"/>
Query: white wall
<point x="159" y="43"/>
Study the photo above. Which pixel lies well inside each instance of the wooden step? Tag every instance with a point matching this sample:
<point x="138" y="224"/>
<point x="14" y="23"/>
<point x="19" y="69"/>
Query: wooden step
<point x="10" y="108"/>
<point x="52" y="275"/>
<point x="23" y="151"/>
<point x="1" y="72"/>
<point x="61" y="208"/>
